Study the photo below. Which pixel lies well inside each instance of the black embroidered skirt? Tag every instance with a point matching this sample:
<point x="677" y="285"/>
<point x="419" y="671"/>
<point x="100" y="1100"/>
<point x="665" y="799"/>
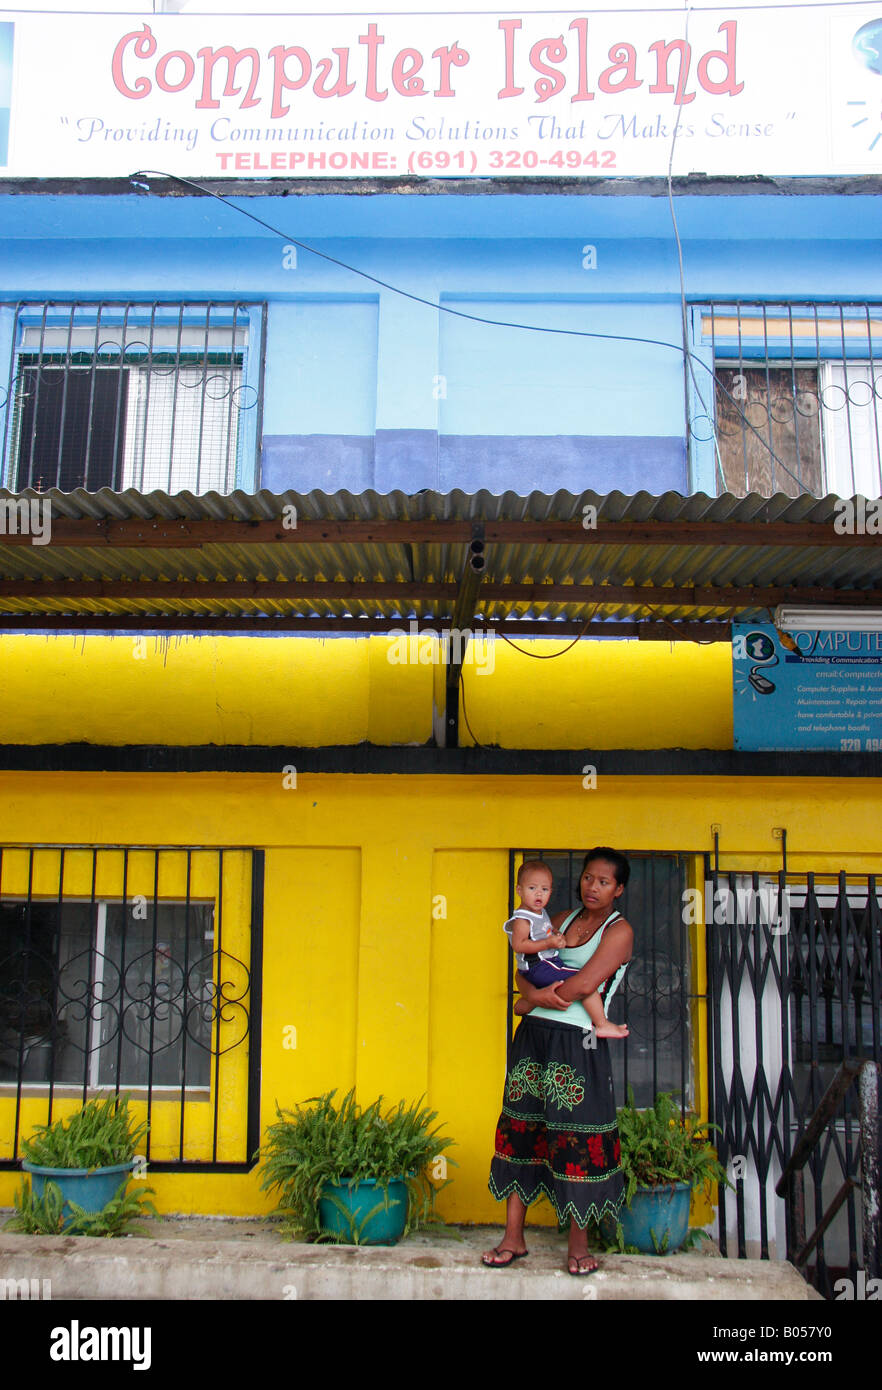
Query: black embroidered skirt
<point x="557" y="1133"/>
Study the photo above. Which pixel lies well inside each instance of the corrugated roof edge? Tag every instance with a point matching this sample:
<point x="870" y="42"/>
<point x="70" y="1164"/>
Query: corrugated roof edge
<point x="432" y="506"/>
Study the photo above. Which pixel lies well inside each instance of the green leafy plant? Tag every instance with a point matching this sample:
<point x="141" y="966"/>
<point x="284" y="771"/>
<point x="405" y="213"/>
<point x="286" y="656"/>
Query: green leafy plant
<point x="99" y="1135"/>
<point x="661" y="1147"/>
<point x="320" y="1142"/>
<point x="44" y="1215"/>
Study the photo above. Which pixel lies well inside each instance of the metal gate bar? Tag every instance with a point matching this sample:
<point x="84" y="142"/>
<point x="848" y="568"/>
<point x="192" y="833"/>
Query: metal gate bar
<point x="794" y="988"/>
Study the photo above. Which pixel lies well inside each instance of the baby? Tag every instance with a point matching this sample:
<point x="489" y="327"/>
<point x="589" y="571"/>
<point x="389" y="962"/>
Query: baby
<point x="536" y="943"/>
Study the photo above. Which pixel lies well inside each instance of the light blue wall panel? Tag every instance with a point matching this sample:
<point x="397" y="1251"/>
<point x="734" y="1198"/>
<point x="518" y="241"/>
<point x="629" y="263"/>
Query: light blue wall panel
<point x="508" y="381"/>
<point x="321" y="368"/>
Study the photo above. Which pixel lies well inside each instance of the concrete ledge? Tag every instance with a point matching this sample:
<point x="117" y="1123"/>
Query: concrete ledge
<point x="183" y="1262"/>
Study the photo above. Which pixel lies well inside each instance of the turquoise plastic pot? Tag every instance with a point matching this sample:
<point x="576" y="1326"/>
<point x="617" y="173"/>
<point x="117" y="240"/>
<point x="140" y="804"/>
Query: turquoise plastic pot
<point x="659" y="1211"/>
<point x="385" y="1227"/>
<point x="90" y="1188"/>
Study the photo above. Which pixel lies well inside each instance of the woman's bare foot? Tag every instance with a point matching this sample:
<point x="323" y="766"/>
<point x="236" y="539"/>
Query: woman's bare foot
<point x="512" y="1245"/>
<point x="579" y="1257"/>
<point x="611" y="1030"/>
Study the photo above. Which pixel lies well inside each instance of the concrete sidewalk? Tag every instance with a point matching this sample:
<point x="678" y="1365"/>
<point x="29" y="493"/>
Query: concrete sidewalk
<point x="204" y="1258"/>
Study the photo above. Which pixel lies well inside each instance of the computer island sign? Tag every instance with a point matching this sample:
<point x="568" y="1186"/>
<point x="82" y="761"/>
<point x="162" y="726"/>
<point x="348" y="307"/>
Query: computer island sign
<point x="508" y="95"/>
<point x="812" y="690"/>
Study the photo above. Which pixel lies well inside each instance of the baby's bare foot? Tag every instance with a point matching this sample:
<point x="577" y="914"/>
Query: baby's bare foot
<point x="611" y="1030"/>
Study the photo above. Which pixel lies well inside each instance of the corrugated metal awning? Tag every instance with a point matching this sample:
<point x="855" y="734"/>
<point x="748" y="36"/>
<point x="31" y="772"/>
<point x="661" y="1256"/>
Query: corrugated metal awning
<point x="361" y="562"/>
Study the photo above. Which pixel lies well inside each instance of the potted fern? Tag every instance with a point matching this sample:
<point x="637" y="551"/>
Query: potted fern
<point x="79" y="1166"/>
<point x="360" y="1176"/>
<point x="665" y="1157"/>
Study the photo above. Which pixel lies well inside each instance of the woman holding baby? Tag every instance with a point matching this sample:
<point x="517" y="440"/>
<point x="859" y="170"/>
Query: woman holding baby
<point x="557" y="1131"/>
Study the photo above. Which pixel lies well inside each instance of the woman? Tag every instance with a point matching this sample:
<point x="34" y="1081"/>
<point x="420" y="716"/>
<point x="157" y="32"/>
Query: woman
<point x="557" y="1132"/>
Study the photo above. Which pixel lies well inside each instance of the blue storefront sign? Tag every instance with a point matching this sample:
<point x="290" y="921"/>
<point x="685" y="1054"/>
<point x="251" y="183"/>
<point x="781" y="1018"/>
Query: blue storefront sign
<point x="826" y="694"/>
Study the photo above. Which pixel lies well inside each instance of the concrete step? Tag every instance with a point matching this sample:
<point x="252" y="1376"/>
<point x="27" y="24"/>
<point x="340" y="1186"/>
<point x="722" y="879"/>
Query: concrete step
<point x="199" y="1258"/>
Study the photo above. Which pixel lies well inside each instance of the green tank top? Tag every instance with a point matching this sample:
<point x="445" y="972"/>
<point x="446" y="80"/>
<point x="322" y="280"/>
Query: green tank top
<point x="578" y="956"/>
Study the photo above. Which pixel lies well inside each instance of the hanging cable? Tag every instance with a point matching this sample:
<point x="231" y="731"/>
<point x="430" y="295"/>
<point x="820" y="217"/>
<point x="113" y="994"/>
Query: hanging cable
<point x="551" y="656"/>
<point x="140" y="181"/>
<point x="465" y="713"/>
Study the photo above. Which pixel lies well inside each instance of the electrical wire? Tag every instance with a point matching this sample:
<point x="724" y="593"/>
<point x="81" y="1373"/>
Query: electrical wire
<point x="552" y="656"/>
<point x="465" y="714"/>
<point x="684" y="311"/>
<point x="396" y="289"/>
<point x="140" y="181"/>
<point x="681" y="348"/>
<point x="144" y="175"/>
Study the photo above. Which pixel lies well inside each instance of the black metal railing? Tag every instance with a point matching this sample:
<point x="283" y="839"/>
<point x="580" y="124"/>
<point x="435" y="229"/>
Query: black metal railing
<point x="866" y="1077"/>
<point x="654" y="998"/>
<point x="795" y="989"/>
<point x="119" y="972"/>
<point x="797" y="396"/>
<point x="130" y="395"/>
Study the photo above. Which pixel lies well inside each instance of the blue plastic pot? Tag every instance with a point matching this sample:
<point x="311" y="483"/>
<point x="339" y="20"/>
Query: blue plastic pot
<point x="662" y="1212"/>
<point x="90" y="1188"/>
<point x="385" y="1227"/>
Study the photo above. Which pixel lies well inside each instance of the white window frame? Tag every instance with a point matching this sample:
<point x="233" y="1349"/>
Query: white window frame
<point x="94" y="1084"/>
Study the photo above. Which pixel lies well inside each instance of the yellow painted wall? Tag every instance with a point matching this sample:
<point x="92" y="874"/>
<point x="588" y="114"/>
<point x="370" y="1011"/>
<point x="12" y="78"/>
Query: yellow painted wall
<point x="308" y="691"/>
<point x="383" y="993"/>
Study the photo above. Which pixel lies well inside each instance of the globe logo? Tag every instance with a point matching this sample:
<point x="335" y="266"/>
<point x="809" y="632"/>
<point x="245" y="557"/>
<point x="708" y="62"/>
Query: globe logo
<point x="760" y="648"/>
<point x="867" y="45"/>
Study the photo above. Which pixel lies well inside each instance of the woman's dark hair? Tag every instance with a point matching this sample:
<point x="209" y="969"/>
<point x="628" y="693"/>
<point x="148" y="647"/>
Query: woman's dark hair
<point x="614" y="857"/>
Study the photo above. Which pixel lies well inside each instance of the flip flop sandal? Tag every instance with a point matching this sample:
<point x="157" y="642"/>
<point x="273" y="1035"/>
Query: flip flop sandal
<point x="503" y="1264"/>
<point x="581" y="1273"/>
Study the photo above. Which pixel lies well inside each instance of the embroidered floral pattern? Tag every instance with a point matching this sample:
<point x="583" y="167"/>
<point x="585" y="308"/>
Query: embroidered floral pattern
<point x="557" y="1081"/>
<point x="562" y="1085"/>
<point x="575" y="1156"/>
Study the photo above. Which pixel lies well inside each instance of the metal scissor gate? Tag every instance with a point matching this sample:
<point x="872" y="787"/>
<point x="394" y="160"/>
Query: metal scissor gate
<point x="794" y="988"/>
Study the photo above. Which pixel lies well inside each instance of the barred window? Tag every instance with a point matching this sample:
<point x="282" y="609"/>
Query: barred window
<point x="126" y="395"/>
<point x="797" y="397"/>
<point x="133" y="969"/>
<point x="115" y="993"/>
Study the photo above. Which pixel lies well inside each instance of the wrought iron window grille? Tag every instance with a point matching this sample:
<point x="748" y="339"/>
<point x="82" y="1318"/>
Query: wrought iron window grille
<point x="797" y="398"/>
<point x="132" y="395"/>
<point x="133" y="987"/>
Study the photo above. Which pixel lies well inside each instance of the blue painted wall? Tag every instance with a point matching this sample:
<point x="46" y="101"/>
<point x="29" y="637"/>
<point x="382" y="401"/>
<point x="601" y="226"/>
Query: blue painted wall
<point x="366" y="388"/>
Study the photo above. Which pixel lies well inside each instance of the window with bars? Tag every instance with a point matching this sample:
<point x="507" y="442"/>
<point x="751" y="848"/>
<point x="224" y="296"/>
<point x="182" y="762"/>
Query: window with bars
<point x="796" y="398"/>
<point x="138" y="970"/>
<point x="116" y="992"/>
<point x="129" y="395"/>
